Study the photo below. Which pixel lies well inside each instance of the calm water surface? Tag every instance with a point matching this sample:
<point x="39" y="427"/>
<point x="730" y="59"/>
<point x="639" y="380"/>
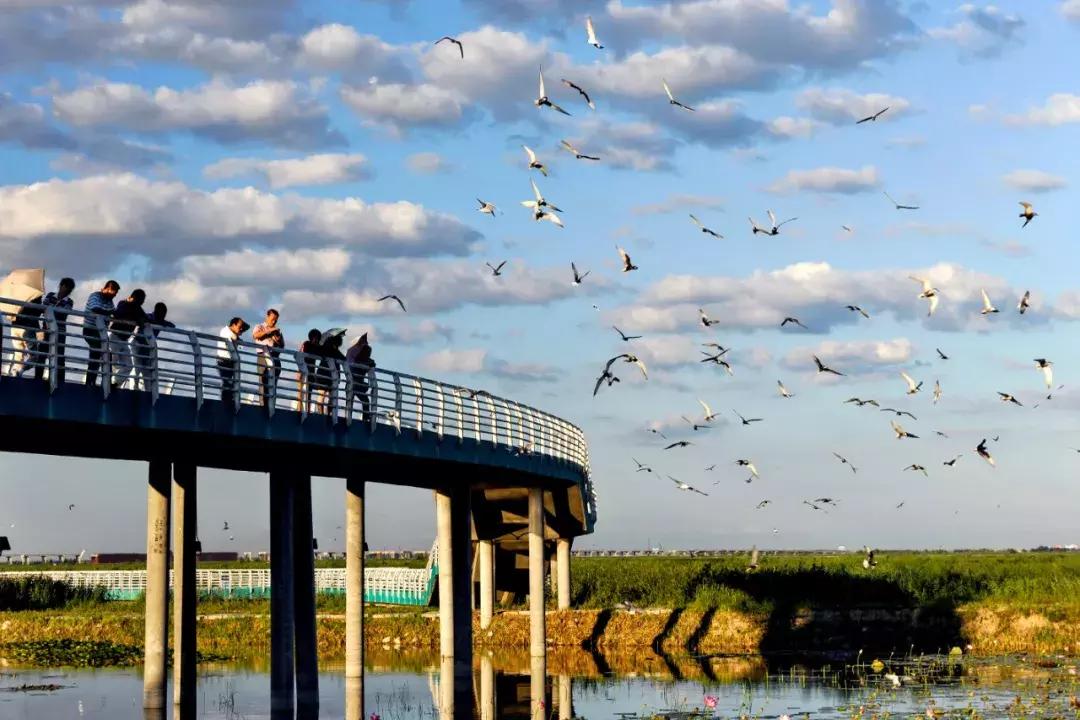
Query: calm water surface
<point x="740" y="687"/>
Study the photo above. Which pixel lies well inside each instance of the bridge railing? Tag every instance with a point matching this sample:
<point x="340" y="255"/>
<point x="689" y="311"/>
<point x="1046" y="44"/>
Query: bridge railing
<point x="78" y="347"/>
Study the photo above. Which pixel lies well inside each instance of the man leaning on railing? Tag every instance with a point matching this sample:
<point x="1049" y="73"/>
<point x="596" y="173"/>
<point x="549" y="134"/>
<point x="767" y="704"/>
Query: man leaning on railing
<point x="226" y="362"/>
<point x="99" y="303"/>
<point x="59" y="301"/>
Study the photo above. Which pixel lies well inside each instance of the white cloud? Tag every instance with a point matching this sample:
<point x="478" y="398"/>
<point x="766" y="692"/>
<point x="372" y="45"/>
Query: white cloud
<point x="1060" y="109"/>
<point x="679" y="201"/>
<point x="1070" y="9"/>
<point x="427" y="163"/>
<point x="839" y="106"/>
<point x="398" y="105"/>
<point x="1036" y="181"/>
<point x="275" y="111"/>
<point x="982" y="31"/>
<point x="412" y="333"/>
<point x="286" y="268"/>
<point x="853" y="356"/>
<point x="323" y="169"/>
<point x="790" y="127"/>
<point x="828" y="180"/>
<point x="450" y="360"/>
<point x="638" y="146"/>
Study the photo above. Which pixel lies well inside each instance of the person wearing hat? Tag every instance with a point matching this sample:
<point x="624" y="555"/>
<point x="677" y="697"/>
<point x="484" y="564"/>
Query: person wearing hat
<point x="230" y="335"/>
<point x="360" y="365"/>
<point x="330" y="352"/>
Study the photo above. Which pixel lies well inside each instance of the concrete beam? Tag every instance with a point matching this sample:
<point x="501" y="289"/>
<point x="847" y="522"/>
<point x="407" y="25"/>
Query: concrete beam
<point x="157" y="584"/>
<point x="185" y="592"/>
<point x="282" y="608"/>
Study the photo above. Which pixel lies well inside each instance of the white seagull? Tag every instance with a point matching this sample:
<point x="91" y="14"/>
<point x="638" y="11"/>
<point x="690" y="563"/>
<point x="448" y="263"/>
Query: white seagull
<point x="901" y="432"/>
<point x="591" y="32"/>
<point x="929" y="292"/>
<point x="486" y="207"/>
<point x="575" y="152"/>
<point x="628" y="264"/>
<point x="543" y="100"/>
<point x="581" y="91"/>
<point x="704" y="229"/>
<point x="749" y="465"/>
<point x="774" y="229"/>
<point x="897" y="205"/>
<point x="984" y="453"/>
<point x="688" y="488"/>
<point x="937" y="391"/>
<point x="1025" y="302"/>
<point x="912" y="386"/>
<point x="1028" y="214"/>
<point x="709" y="414"/>
<point x="783" y="390"/>
<point x="578" y="277"/>
<point x="988" y="307"/>
<point x="534" y="164"/>
<point x="672" y="100"/>
<point x="705" y="321"/>
<point x="1047" y="368"/>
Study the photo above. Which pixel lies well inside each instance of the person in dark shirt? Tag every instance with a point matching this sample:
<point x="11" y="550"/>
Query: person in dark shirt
<point x="312" y="349"/>
<point x="330" y="353"/>
<point x="360" y="365"/>
<point x="99" y="303"/>
<point x="143" y="350"/>
<point x="60" y="301"/>
<point x="128" y="319"/>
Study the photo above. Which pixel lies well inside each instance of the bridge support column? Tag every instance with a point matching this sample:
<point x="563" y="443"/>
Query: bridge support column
<point x="566" y="698"/>
<point x="487" y="582"/>
<point x="453" y="520"/>
<point x="562" y="563"/>
<point x="282" y="598"/>
<point x="354" y="598"/>
<point x="157" y="584"/>
<point x="185" y="593"/>
<point x="537" y="644"/>
<point x="487" y="688"/>
<point x="307" y="646"/>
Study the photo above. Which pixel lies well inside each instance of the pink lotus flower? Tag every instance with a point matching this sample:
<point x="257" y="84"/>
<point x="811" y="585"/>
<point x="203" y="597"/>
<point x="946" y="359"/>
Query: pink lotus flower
<point x="710" y="702"/>
<point x="375" y="716"/>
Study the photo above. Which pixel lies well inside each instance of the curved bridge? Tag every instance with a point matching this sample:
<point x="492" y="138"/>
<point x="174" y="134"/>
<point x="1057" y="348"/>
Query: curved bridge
<point x="507" y="477"/>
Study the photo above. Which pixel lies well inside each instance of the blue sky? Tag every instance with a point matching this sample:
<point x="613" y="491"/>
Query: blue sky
<point x="315" y="155"/>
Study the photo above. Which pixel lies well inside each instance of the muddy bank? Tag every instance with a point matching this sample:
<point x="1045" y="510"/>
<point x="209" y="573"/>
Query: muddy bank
<point x="979" y="629"/>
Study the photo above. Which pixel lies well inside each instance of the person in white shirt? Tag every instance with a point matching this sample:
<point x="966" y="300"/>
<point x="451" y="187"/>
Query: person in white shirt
<point x="226" y="363"/>
<point x="268" y="335"/>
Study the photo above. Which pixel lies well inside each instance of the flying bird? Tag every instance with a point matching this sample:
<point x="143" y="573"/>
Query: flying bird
<point x="912" y="386"/>
<point x="917" y="468"/>
<point x="655" y="431"/>
<point x="705" y="321"/>
<point x="984" y="453"/>
<point x="860" y="402"/>
<point x="679" y="444"/>
<point x="486" y="207"/>
<point x="856" y="308"/>
<point x="709" y="414"/>
<point x="1025" y="302"/>
<point x="845" y="461"/>
<point x="794" y="321"/>
<point x="774" y="229"/>
<point x="693" y="425"/>
<point x="847" y="228"/>
<point x="718" y="360"/>
<point x="783" y="390"/>
<point x="590" y="31"/>
<point x="606" y="376"/>
<point x="628" y="265"/>
<point x="630" y="359"/>
<point x="496" y="270"/>
<point x="578" y="277"/>
<point x="1028" y="214"/>
<point x="941" y="355"/>
<point x="937" y="391"/>
<point x="762" y="504"/>
<point x="395" y="298"/>
<point x="901" y="432"/>
<point x="872" y="118"/>
<point x="821" y="368"/>
<point x="1007" y="398"/>
<point x="641" y="467"/>
<point x="71" y="507"/>
<point x="898" y="205"/>
<point x="868" y="559"/>
<point x="749" y="465"/>
<point x="543" y="100"/>
<point x="1047" y="368"/>
<point x="747" y="421"/>
<point x="988" y="307"/>
<point x="672" y="100"/>
<point x="899" y="413"/>
<point x="929" y="292"/>
<point x="705" y="229"/>
<point x="540" y="201"/>
<point x="225" y="527"/>
<point x="623" y="336"/>
<point x="460" y="47"/>
<point x="688" y="488"/>
<point x="534" y="164"/>
<point x="950" y="463"/>
<point x="581" y="90"/>
<point x="575" y="152"/>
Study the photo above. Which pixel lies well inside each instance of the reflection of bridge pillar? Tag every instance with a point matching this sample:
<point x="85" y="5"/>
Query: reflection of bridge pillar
<point x="157" y="583"/>
<point x="306" y="649"/>
<point x="453" y="521"/>
<point x="487" y="688"/>
<point x="566" y="698"/>
<point x="537" y="645"/>
<point x="538" y="687"/>
<point x="185" y="593"/>
<point x="282" y="679"/>
<point x="354" y="598"/>
<point x="562" y="564"/>
<point x="487" y="583"/>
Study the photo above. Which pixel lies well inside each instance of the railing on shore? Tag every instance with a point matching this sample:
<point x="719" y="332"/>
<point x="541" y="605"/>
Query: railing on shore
<point x="71" y="346"/>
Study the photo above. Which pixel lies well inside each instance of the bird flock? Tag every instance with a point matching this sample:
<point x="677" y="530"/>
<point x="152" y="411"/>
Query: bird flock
<point x="544" y="210"/>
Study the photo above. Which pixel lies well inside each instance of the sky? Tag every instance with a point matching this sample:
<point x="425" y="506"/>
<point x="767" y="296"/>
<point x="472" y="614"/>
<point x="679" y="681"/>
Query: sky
<point x="313" y="156"/>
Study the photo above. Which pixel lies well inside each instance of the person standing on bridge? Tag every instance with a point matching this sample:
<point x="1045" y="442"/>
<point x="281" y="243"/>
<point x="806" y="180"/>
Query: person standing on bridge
<point x="360" y="365"/>
<point x="268" y="336"/>
<point x="61" y="301"/>
<point x="330" y="351"/>
<point x="230" y="335"/>
<point x="99" y="303"/>
<point x="128" y="319"/>
<point x="312" y="349"/>
<point x="143" y="359"/>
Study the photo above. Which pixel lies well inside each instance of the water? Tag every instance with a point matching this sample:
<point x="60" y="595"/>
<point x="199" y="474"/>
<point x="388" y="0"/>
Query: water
<point x="641" y="687"/>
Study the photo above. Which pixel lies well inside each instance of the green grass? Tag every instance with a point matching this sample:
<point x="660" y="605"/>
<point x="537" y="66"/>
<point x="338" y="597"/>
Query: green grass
<point x="237" y="565"/>
<point x="38" y="593"/>
<point x="900" y="579"/>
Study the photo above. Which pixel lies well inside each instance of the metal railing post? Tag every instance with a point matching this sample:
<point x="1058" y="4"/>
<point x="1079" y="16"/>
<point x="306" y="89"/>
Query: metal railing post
<point x="52" y="328"/>
<point x="305" y="386"/>
<point x="373" y="397"/>
<point x="196" y="354"/>
<point x="419" y="388"/>
<point x="273" y="370"/>
<point x="335" y="396"/>
<point x="237" y="383"/>
<point x="397" y="400"/>
<point x="440" y="407"/>
<point x="152" y="360"/>
<point x="349" y="386"/>
<point x="460" y="407"/>
<point x="105" y="367"/>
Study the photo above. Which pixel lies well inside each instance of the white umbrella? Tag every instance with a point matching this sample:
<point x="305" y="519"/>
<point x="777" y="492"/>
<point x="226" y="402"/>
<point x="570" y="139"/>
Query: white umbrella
<point x="24" y="285"/>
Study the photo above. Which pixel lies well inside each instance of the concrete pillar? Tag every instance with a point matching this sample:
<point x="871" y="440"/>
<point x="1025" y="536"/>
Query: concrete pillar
<point x="282" y="616"/>
<point x="307" y="646"/>
<point x="538" y="687"/>
<point x="354" y="698"/>
<point x="487" y="583"/>
<point x="487" y="688"/>
<point x="566" y="698"/>
<point x="354" y="581"/>
<point x="537" y="645"/>
<point x="454" y="528"/>
<point x="562" y="562"/>
<point x="185" y="593"/>
<point x="157" y="583"/>
<point x="553" y="574"/>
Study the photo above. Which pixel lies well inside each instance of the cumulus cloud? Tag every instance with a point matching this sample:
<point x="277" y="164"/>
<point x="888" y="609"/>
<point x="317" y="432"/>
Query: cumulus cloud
<point x="279" y="112"/>
<point x="638" y="146"/>
<point x="125" y="215"/>
<point x="427" y="163"/>
<point x="323" y="169"/>
<point x="790" y="127"/>
<point x="340" y="48"/>
<point x="286" y="268"/>
<point x="839" y="106"/>
<point x="478" y="361"/>
<point x="852" y="357"/>
<point x="399" y="106"/>
<point x="1036" y="181"/>
<point x="828" y="180"/>
<point x="816" y="293"/>
<point x="412" y="333"/>
<point x="1070" y="9"/>
<point x="716" y="123"/>
<point x="982" y="31"/>
<point x="677" y="202"/>
<point x="1060" y="109"/>
<point x="25" y="124"/>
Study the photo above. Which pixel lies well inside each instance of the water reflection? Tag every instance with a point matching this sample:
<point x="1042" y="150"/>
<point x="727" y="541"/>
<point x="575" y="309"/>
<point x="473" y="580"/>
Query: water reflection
<point x="416" y="686"/>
